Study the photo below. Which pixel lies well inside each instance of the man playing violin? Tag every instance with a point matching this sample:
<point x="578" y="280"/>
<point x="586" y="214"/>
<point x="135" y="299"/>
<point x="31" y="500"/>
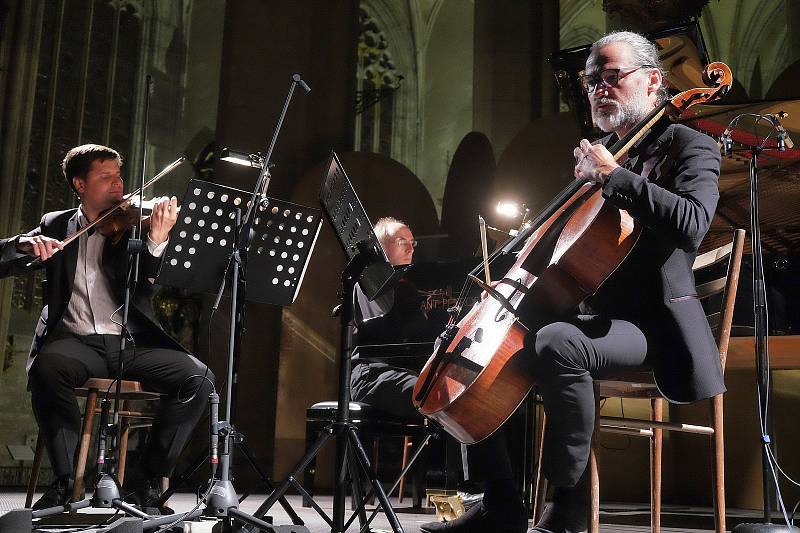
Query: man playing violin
<point x="646" y="315"/>
<point x="79" y="331"/>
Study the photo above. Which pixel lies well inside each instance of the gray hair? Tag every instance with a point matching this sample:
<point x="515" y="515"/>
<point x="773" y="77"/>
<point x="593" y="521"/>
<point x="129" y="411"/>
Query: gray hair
<point x="382" y="227"/>
<point x="643" y="51"/>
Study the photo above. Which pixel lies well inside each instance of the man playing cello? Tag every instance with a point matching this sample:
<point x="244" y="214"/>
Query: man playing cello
<point x="647" y="313"/>
<point x="78" y="334"/>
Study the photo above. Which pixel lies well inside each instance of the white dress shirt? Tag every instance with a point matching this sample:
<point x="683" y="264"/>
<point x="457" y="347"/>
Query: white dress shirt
<point x="92" y="307"/>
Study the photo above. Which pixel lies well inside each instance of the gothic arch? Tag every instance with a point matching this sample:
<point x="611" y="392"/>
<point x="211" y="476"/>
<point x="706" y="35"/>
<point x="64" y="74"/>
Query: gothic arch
<point x="396" y="23"/>
<point x="752" y="31"/>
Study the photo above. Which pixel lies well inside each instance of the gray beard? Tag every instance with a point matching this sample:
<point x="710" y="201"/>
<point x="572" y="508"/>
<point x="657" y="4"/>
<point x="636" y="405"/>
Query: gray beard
<point x="625" y="114"/>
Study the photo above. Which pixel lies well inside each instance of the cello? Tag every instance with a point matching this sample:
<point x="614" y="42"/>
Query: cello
<point x="475" y="379"/>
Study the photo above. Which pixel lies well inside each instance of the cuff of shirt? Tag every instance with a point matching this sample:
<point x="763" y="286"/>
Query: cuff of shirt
<point x="156" y="250"/>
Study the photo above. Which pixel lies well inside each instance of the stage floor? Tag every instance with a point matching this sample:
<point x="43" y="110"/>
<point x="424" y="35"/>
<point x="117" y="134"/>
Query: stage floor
<point x="615" y="518"/>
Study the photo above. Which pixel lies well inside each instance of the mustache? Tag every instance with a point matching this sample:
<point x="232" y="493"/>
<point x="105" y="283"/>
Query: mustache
<point x="604" y="100"/>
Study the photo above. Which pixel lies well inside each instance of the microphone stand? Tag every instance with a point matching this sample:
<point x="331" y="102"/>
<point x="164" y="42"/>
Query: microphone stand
<point x="760" y="321"/>
<point x="222" y="501"/>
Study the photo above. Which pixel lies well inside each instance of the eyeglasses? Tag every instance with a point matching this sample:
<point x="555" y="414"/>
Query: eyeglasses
<point x="607" y="77"/>
<point x="400" y="241"/>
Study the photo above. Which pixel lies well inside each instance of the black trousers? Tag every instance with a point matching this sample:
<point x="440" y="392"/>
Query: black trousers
<point x="385" y="387"/>
<point x="566" y="356"/>
<point x="67" y="361"/>
<point x="390" y="388"/>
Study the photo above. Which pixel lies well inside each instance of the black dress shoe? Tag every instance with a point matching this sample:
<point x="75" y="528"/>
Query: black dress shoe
<point x="57" y="494"/>
<point x="561" y="518"/>
<point x="146" y="492"/>
<point x="480" y="520"/>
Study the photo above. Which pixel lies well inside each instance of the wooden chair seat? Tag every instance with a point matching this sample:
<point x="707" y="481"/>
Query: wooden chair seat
<point x="638" y="384"/>
<point x="129" y="390"/>
<point x="94" y="389"/>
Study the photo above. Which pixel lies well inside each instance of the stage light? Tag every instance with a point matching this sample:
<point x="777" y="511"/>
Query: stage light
<point x="509" y="209"/>
<point x="241" y="158"/>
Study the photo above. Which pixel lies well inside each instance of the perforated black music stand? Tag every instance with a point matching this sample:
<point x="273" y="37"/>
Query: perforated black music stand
<point x="206" y="245"/>
<point x="282" y="237"/>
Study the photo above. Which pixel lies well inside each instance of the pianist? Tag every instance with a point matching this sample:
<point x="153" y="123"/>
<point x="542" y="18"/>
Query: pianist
<point x="396" y="317"/>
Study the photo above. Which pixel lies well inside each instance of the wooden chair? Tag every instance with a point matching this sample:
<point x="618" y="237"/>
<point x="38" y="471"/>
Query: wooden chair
<point x="92" y="390"/>
<point x="642" y="385"/>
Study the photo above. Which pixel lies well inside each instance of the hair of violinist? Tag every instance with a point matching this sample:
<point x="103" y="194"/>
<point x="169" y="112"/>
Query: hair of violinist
<point x="644" y="53"/>
<point x="78" y="161"/>
<point x="383" y="226"/>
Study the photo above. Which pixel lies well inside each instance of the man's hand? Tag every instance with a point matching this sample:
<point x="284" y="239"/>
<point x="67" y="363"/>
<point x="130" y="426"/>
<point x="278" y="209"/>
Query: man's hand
<point x="39" y="246"/>
<point x="593" y="162"/>
<point x="163" y="218"/>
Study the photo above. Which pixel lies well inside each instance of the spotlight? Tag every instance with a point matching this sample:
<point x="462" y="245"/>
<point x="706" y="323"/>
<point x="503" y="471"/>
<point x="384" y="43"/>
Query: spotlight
<point x="509" y="209"/>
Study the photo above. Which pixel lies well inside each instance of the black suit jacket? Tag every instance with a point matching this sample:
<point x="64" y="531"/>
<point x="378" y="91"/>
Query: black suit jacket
<point x="61" y="276"/>
<point x="670" y="185"/>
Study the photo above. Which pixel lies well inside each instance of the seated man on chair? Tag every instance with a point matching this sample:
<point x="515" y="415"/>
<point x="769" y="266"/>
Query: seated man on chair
<point x="79" y="331"/>
<point x="646" y="314"/>
<point x="397" y="317"/>
<point x="394" y="317"/>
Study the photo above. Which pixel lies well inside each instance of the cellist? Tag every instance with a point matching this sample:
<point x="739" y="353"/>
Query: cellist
<point x="78" y="333"/>
<point x="646" y="315"/>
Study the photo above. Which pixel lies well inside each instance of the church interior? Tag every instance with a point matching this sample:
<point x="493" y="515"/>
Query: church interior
<point x="439" y="112"/>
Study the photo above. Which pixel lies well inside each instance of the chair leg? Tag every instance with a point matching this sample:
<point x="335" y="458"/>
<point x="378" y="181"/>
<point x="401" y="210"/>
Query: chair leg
<point x="404" y="462"/>
<point x="540" y="482"/>
<point x="35" y="469"/>
<point x="594" y="474"/>
<point x="656" y="447"/>
<point x="376" y="447"/>
<point x="310" y="470"/>
<point x="122" y="452"/>
<point x="86" y="440"/>
<point x="718" y="449"/>
<point x="594" y="491"/>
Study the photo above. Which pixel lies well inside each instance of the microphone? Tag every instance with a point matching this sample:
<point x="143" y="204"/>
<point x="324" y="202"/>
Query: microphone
<point x="725" y="142"/>
<point x="298" y="80"/>
<point x="101" y="439"/>
<point x="213" y="453"/>
<point x="784" y="141"/>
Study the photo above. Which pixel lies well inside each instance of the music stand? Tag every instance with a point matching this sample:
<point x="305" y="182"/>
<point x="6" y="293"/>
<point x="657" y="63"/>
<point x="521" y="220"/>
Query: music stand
<point x="368" y="266"/>
<point x="282" y="237"/>
<point x="203" y="250"/>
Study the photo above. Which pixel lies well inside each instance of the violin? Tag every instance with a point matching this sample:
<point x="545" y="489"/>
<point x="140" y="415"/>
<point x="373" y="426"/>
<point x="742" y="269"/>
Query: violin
<point x="115" y="221"/>
<point x="124" y="215"/>
<point x="475" y="380"/>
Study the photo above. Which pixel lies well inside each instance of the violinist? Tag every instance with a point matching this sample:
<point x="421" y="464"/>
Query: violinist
<point x="646" y="315"/>
<point x="78" y="333"/>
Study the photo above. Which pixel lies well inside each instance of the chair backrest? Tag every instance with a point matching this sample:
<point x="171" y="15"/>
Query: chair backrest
<point x="728" y="284"/>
